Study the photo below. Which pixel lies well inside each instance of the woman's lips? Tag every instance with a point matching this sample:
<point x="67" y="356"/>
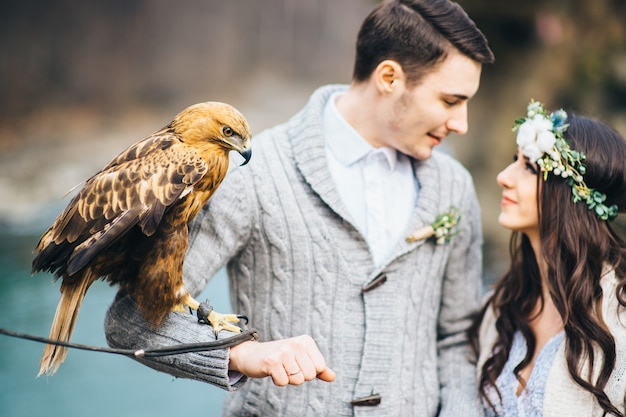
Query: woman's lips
<point x="506" y="201"/>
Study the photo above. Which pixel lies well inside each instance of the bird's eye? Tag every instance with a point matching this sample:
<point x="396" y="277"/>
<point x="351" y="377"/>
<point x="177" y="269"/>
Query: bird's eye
<point x="228" y="131"/>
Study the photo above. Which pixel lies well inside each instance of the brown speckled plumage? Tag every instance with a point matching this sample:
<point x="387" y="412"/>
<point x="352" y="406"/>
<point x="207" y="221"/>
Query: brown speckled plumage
<point x="128" y="223"/>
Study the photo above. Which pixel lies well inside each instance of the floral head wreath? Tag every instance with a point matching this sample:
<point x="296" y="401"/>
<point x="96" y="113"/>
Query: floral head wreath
<point x="540" y="135"/>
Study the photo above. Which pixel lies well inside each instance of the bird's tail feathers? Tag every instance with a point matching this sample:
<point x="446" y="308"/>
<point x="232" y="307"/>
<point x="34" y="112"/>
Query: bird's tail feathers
<point x="72" y="296"/>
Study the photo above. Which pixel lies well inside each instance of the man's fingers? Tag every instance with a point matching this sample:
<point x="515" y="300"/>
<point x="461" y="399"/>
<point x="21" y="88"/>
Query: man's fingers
<point x="308" y="371"/>
<point x="288" y="361"/>
<point x="317" y="363"/>
<point x="295" y="375"/>
<point x="280" y="379"/>
<point x="296" y="378"/>
<point x="310" y="361"/>
<point x="327" y="375"/>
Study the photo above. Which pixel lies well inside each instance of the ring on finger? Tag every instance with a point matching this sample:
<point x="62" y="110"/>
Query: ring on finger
<point x="294" y="373"/>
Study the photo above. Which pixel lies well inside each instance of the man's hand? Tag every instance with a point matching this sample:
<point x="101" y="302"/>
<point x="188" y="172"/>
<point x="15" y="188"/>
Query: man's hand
<point x="288" y="361"/>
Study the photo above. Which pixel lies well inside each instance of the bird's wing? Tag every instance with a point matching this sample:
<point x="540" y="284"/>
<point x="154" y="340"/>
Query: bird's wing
<point x="136" y="187"/>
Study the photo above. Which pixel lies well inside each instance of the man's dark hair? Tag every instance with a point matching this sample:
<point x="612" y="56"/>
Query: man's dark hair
<point x="418" y="34"/>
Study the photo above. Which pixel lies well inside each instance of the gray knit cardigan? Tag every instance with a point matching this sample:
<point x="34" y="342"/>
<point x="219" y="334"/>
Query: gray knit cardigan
<point x="298" y="265"/>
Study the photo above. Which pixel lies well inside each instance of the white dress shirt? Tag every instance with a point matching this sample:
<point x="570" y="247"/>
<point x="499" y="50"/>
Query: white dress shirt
<point x="377" y="185"/>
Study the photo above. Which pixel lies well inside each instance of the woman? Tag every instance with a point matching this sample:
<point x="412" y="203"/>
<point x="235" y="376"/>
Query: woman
<point x="551" y="339"/>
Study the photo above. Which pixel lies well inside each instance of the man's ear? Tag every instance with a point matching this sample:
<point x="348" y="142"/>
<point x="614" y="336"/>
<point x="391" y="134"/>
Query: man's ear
<point x="388" y="75"/>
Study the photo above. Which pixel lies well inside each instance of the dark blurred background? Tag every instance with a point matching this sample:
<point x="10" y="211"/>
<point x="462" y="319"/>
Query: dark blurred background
<point x="81" y="80"/>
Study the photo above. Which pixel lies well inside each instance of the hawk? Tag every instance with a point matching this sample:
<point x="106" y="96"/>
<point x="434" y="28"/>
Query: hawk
<point x="128" y="224"/>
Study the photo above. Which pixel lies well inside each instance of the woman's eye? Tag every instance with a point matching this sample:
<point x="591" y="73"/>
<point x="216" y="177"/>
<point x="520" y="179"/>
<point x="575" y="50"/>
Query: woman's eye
<point x="531" y="167"/>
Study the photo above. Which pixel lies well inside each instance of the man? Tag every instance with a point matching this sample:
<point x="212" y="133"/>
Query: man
<point x="313" y="233"/>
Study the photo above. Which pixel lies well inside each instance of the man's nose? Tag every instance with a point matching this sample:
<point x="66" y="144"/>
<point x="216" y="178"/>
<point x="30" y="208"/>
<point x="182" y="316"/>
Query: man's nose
<point x="458" y="122"/>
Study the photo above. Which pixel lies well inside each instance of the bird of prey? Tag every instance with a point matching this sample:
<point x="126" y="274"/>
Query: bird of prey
<point x="128" y="224"/>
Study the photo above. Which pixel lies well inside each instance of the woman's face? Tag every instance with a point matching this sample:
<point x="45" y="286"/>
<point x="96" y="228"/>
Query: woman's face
<point x="518" y="208"/>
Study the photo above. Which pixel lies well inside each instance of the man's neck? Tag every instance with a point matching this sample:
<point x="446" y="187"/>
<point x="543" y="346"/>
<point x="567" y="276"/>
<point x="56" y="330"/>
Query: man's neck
<point x="358" y="107"/>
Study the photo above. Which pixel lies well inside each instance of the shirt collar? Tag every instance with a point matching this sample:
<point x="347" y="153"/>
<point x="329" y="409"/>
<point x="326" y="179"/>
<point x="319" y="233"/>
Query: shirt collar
<point x="345" y="143"/>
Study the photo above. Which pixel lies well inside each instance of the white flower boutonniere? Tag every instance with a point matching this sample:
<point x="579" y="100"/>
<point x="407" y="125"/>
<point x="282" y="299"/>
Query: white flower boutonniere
<point x="443" y="228"/>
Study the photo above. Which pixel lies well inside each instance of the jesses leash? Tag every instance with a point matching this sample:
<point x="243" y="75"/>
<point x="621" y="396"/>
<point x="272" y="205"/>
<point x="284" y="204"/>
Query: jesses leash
<point x="245" y="335"/>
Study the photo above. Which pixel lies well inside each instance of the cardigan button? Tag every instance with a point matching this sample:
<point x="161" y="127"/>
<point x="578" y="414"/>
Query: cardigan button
<point x="368" y="401"/>
<point x="375" y="283"/>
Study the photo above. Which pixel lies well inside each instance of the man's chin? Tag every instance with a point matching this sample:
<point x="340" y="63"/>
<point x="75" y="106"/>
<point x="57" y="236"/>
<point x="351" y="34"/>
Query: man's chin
<point x="422" y="154"/>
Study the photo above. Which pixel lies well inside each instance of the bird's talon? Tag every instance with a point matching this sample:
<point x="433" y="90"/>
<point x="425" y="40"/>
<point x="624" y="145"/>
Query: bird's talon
<point x="203" y="313"/>
<point x="218" y="321"/>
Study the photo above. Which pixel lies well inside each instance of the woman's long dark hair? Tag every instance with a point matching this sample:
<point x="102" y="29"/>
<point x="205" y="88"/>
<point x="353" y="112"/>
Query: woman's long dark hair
<point x="575" y="244"/>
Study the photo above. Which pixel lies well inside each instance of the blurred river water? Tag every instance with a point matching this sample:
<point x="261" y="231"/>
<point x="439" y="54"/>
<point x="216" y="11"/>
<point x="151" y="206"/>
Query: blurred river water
<point x="88" y="383"/>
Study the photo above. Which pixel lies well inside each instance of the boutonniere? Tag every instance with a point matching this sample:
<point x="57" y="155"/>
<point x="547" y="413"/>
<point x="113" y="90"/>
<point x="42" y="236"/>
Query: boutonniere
<point x="443" y="228"/>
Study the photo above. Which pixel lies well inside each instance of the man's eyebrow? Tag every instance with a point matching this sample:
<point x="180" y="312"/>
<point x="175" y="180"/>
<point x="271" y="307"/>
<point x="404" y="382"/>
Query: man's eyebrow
<point x="461" y="97"/>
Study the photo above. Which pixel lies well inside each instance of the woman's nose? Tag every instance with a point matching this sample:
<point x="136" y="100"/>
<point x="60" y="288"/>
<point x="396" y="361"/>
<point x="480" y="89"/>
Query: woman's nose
<point x="504" y="178"/>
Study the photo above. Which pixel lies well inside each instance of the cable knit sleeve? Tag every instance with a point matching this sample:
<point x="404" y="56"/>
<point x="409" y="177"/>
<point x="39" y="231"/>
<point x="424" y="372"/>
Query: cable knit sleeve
<point x="125" y="328"/>
<point x="216" y="234"/>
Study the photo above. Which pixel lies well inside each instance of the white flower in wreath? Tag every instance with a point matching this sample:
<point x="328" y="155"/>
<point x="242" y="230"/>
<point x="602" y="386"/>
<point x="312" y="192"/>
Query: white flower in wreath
<point x="534" y="107"/>
<point x="532" y="151"/>
<point x="535" y="137"/>
<point x="545" y="140"/>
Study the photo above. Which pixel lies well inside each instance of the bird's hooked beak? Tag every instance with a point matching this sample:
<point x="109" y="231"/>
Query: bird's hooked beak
<point x="247" y="154"/>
